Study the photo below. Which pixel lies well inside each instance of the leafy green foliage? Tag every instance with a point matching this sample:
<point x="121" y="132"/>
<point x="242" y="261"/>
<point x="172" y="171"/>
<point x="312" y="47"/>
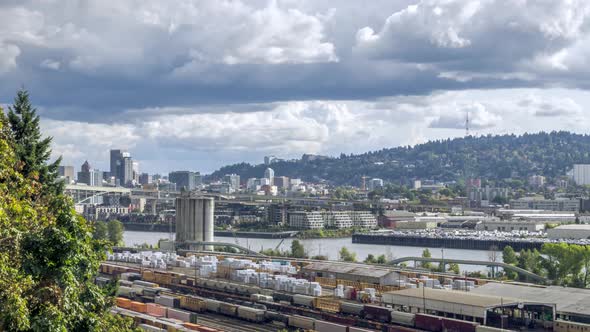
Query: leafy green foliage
<point x="101" y="231"/>
<point x="492" y="157"/>
<point x="426" y="254"/>
<point x="111" y="232"/>
<point x="297" y="249"/>
<point x="562" y="263"/>
<point x="454" y="267"/>
<point x="48" y="258"/>
<point x="371" y="259"/>
<point x="115" y="230"/>
<point x="346" y="255"/>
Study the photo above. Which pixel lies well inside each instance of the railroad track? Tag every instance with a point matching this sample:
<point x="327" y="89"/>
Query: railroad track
<point x="232" y="325"/>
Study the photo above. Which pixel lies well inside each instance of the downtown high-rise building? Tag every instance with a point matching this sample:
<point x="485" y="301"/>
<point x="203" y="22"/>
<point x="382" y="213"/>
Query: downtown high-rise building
<point x="185" y="179"/>
<point x="89" y="175"/>
<point x="233" y="180"/>
<point x="66" y="173"/>
<point x="122" y="167"/>
<point x="269" y="174"/>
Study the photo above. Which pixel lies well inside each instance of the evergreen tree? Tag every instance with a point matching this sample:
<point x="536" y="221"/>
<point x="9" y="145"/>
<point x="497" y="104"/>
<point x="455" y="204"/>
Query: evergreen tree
<point x="31" y="149"/>
<point x="48" y="258"/>
<point x="509" y="256"/>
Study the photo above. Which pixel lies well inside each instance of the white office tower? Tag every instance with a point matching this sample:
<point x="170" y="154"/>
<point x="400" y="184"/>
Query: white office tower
<point x="194" y="219"/>
<point x="269" y="174"/>
<point x="581" y="174"/>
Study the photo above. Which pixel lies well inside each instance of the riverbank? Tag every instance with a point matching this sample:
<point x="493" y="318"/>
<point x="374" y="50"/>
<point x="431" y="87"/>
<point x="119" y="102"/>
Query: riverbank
<point x="163" y="228"/>
<point x="438" y="242"/>
<point x="254" y="234"/>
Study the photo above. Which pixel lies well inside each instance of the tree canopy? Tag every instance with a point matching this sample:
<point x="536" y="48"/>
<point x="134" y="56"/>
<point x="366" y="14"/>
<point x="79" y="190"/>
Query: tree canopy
<point x="502" y="158"/>
<point x="32" y="151"/>
<point x="48" y="258"/>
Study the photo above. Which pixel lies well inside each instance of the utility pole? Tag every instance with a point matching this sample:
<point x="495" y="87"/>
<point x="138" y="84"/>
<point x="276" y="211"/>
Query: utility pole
<point x="424" y="297"/>
<point x="442" y="251"/>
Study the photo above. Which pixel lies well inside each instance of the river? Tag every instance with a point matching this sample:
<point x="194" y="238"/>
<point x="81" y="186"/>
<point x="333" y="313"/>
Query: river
<point x="327" y="247"/>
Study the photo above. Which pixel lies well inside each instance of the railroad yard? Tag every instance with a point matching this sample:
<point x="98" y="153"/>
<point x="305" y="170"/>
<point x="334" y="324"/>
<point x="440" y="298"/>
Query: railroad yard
<point x="206" y="292"/>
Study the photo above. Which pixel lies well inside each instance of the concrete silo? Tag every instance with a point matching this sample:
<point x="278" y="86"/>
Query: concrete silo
<point x="194" y="219"/>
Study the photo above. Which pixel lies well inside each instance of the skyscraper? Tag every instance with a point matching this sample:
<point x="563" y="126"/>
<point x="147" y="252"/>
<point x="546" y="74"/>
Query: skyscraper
<point x="122" y="167"/>
<point x="89" y="176"/>
<point x="269" y="174"/>
<point x="184" y="179"/>
<point x="116" y="161"/>
<point x="67" y="173"/>
<point x="233" y="180"/>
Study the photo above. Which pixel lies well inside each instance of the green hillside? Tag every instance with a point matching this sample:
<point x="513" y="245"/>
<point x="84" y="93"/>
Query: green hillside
<point x="490" y="157"/>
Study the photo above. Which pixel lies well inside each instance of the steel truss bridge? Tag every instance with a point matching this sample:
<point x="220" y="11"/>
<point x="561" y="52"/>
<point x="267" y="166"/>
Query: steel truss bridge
<point x="445" y="261"/>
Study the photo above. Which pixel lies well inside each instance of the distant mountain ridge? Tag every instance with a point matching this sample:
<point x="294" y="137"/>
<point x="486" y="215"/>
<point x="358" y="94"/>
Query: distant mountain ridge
<point x="493" y="157"/>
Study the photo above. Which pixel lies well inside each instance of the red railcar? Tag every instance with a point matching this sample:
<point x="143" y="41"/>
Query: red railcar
<point x="429" y="322"/>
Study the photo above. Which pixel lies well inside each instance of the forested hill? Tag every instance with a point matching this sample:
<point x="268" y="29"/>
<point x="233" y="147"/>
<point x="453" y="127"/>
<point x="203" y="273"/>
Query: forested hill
<point x="489" y="157"/>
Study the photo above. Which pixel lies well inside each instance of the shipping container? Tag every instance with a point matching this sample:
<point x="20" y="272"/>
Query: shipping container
<point x="303" y="300"/>
<point x="192" y="303"/>
<point x="456" y="325"/>
<point x="322" y="326"/>
<point x="123" y="303"/>
<point x="185" y="316"/>
<point x="155" y="310"/>
<point x="251" y="314"/>
<point x="428" y="322"/>
<point x="328" y="304"/>
<point x="377" y="313"/>
<point x="168" y="301"/>
<point x="127" y="291"/>
<point x="138" y="306"/>
<point x="402" y="318"/>
<point x="301" y="322"/>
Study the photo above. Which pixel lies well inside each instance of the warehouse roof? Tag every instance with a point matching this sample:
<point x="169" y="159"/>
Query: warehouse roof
<point x="570" y="300"/>
<point x="449" y="296"/>
<point x="354" y="269"/>
<point x="583" y="227"/>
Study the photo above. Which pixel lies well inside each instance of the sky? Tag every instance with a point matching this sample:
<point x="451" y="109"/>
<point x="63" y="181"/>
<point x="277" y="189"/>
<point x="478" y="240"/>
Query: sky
<point x="198" y="84"/>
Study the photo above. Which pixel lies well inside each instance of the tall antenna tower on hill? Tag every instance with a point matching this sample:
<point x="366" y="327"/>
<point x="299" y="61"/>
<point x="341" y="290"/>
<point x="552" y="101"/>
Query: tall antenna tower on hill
<point x="467" y="123"/>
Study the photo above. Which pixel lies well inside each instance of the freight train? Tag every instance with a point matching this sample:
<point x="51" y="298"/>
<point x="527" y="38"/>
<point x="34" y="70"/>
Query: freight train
<point x="282" y="306"/>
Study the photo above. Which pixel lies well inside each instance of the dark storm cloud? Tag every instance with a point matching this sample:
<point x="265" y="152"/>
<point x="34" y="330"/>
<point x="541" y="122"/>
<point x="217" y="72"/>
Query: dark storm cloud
<point x="174" y="80"/>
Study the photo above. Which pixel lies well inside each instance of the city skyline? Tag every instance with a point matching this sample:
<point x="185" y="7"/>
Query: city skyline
<point x="299" y="77"/>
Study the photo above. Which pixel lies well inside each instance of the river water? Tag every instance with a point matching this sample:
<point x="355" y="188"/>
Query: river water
<point x="328" y="247"/>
